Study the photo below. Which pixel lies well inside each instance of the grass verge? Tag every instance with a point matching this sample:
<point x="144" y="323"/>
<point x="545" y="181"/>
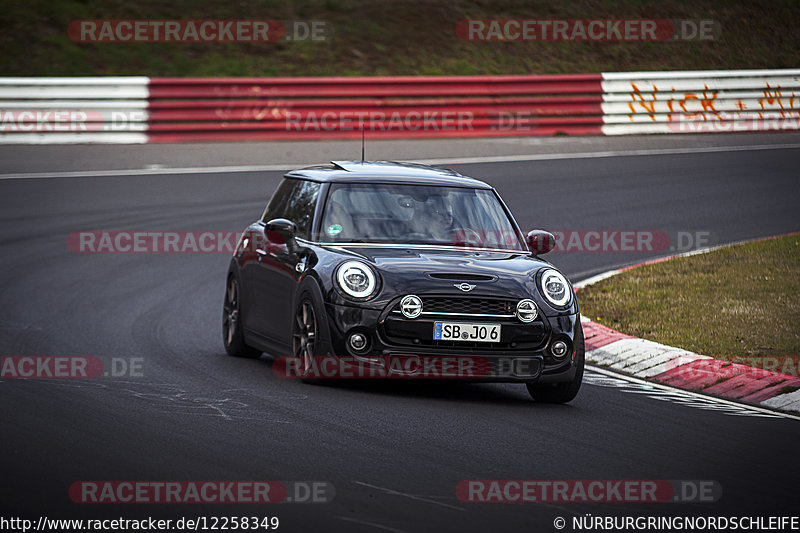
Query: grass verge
<point x="393" y="37"/>
<point x="740" y="303"/>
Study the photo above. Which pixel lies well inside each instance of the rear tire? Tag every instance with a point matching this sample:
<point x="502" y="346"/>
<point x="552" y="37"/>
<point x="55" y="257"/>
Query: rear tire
<point x="232" y="334"/>
<point x="562" y="392"/>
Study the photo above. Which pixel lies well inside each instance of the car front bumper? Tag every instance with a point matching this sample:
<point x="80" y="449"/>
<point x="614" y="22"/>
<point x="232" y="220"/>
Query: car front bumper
<point x="526" y="361"/>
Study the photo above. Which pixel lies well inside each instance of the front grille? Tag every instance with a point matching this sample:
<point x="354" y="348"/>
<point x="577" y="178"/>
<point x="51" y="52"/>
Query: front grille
<point x="466" y="306"/>
<point x="418" y="332"/>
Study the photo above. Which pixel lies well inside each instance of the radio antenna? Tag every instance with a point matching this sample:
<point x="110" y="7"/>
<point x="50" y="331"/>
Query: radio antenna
<point x="362" y="142"/>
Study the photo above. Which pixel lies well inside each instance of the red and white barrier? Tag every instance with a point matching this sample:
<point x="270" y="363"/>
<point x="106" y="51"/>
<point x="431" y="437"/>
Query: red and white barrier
<point x="142" y="109"/>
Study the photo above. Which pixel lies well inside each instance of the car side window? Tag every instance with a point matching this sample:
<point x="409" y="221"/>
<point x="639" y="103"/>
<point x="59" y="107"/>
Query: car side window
<point x="294" y="200"/>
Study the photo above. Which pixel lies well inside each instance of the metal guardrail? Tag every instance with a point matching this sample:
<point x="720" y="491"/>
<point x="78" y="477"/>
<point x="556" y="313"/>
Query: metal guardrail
<point x="74" y="110"/>
<point x="388" y="107"/>
<point x="701" y="101"/>
<point x="142" y="109"/>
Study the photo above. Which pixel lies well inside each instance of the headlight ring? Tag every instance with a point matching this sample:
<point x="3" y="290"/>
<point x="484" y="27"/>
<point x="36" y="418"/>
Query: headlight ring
<point x="356" y="279"/>
<point x="555" y="288"/>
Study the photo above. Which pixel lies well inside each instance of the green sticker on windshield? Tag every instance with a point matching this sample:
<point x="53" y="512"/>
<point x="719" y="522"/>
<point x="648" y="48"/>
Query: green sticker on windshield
<point x="334" y="229"/>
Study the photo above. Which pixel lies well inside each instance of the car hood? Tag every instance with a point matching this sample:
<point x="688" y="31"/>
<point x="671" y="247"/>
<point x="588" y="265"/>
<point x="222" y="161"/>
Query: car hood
<point x="431" y="270"/>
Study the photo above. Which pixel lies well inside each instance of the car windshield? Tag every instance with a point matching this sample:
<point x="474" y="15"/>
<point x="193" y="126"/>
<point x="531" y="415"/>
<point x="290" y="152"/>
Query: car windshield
<point x="417" y="214"/>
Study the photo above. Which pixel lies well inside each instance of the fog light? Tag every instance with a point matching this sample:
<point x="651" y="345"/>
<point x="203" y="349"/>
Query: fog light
<point x="559" y="349"/>
<point x="358" y="341"/>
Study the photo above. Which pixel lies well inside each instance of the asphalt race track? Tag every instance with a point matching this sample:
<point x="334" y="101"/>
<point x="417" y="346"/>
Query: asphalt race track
<point x="394" y="452"/>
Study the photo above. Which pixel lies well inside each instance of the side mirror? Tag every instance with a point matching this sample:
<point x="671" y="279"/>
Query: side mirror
<point x="540" y="241"/>
<point x="281" y="231"/>
<point x="282" y="226"/>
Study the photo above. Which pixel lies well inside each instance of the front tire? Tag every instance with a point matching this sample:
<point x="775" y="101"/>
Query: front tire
<point x="232" y="334"/>
<point x="307" y="337"/>
<point x="562" y="392"/>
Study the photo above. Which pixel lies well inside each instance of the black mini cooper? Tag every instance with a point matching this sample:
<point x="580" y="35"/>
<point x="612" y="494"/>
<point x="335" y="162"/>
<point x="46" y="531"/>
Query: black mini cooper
<point x="383" y="263"/>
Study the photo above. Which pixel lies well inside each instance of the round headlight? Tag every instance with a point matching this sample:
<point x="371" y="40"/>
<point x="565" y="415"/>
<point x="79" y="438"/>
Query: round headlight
<point x="555" y="288"/>
<point x="356" y="279"/>
<point x="526" y="310"/>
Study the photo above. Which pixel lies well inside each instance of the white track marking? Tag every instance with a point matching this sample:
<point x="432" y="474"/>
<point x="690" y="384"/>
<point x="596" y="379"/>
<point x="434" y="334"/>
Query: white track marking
<point x="443" y="161"/>
<point x="135" y="135"/>
<point x="150" y="170"/>
<point x="409" y="496"/>
<point x="601" y="154"/>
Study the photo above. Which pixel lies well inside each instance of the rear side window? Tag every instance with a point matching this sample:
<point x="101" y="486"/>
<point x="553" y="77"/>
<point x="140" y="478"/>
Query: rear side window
<point x="294" y="200"/>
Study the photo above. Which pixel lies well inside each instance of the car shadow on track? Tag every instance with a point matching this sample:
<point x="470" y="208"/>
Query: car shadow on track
<point x="432" y="389"/>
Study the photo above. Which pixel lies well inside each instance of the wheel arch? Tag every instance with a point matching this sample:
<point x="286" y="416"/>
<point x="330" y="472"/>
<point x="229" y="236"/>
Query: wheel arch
<point x="309" y="285"/>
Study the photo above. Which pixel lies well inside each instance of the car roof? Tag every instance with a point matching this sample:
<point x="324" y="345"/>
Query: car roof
<point x="386" y="172"/>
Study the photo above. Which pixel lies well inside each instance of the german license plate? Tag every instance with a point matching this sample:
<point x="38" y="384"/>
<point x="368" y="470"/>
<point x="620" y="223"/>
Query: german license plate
<point x="466" y="331"/>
